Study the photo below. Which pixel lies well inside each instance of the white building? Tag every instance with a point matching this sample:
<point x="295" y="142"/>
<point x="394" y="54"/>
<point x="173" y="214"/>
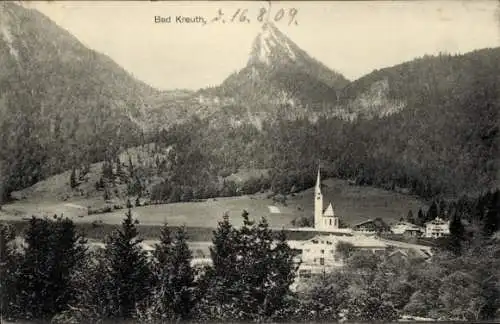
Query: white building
<point x="320" y="254"/>
<point x="437" y="227"/>
<point x="407" y="229"/>
<point x="325" y="221"/>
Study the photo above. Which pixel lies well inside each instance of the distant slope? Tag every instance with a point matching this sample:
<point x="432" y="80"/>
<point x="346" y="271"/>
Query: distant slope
<point x="446" y="136"/>
<point x="426" y="80"/>
<point x="60" y="102"/>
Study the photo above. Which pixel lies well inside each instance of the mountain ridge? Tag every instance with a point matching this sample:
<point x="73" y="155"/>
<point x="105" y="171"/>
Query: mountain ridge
<point x="430" y="121"/>
<point x="59" y="101"/>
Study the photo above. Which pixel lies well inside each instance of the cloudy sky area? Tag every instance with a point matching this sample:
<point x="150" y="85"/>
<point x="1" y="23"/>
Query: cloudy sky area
<point x="353" y="38"/>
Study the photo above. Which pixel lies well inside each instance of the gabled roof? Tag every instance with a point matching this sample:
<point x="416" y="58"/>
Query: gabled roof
<point x="409" y="226"/>
<point x="359" y="241"/>
<point x="437" y="221"/>
<point x="329" y="211"/>
<point x="363" y="222"/>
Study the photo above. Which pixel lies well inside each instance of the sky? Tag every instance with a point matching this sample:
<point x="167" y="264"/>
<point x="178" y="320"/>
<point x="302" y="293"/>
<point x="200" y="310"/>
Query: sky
<point x="351" y="37"/>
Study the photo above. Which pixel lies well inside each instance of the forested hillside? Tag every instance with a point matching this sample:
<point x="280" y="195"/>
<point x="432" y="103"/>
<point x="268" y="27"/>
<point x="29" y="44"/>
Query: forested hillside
<point x="61" y="104"/>
<point x="443" y="144"/>
<point x="428" y="127"/>
<point x="447" y="136"/>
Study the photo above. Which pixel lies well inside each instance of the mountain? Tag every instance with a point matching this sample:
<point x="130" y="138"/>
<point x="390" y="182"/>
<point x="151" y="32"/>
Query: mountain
<point x="279" y="79"/>
<point x="275" y="50"/>
<point x="61" y="104"/>
<point x="441" y="135"/>
<point x="429" y="126"/>
<point x="279" y="72"/>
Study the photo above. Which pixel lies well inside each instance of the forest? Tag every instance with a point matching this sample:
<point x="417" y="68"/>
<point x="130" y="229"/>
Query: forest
<point x="443" y="144"/>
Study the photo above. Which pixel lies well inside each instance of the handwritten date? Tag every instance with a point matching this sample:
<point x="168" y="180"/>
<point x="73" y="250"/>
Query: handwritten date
<point x="243" y="16"/>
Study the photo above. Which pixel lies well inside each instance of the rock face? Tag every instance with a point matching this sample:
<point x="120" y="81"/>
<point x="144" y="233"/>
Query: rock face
<point x="279" y="72"/>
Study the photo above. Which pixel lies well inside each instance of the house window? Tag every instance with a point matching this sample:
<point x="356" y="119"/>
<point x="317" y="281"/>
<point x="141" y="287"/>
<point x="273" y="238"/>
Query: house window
<point x="330" y="222"/>
<point x="322" y="261"/>
<point x="305" y="274"/>
<point x="322" y="251"/>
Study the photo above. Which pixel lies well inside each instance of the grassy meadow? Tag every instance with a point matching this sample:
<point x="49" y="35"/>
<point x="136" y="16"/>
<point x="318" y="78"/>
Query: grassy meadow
<point x="352" y="204"/>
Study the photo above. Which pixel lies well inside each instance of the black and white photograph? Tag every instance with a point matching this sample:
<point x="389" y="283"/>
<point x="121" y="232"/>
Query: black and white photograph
<point x="249" y="161"/>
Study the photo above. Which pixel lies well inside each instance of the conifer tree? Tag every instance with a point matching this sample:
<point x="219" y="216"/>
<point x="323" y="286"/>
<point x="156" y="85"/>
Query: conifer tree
<point x="216" y="295"/>
<point x="420" y="218"/>
<point x="34" y="274"/>
<point x="118" y="166"/>
<point x="224" y="254"/>
<point x="9" y="260"/>
<point x="410" y="218"/>
<point x="433" y="212"/>
<point x="250" y="275"/>
<point x="72" y="178"/>
<point x="129" y="278"/>
<point x="281" y="276"/>
<point x="457" y="235"/>
<point x="442" y="209"/>
<point x="54" y="249"/>
<point x="176" y="276"/>
<point x="163" y="251"/>
<point x="491" y="222"/>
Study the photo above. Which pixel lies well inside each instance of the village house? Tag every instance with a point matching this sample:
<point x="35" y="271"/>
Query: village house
<point x="320" y="254"/>
<point x="371" y="226"/>
<point x="436" y="228"/>
<point x="407" y="229"/>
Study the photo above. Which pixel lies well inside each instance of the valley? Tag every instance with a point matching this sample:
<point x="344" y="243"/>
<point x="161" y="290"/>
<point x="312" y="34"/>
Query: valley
<point x="321" y="171"/>
<point x="400" y="129"/>
<point x="353" y="204"/>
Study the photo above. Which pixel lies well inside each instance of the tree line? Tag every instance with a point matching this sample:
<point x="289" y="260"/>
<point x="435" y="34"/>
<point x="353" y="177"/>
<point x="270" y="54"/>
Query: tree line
<point x="53" y="274"/>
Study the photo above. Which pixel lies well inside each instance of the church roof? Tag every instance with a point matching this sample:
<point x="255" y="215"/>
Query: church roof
<point x="329" y="211"/>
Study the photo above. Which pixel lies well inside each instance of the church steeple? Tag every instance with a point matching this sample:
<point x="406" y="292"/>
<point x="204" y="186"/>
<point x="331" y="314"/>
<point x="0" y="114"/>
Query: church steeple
<point x="327" y="220"/>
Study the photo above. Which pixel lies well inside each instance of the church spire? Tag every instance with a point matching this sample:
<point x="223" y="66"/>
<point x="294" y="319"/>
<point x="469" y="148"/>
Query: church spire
<point x="318" y="180"/>
<point x="318" y="203"/>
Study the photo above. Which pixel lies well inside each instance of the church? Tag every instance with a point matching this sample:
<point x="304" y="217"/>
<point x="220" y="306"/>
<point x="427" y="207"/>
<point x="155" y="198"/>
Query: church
<point x="324" y="220"/>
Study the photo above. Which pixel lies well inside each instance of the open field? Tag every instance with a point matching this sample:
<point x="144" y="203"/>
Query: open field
<point x="352" y="203"/>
